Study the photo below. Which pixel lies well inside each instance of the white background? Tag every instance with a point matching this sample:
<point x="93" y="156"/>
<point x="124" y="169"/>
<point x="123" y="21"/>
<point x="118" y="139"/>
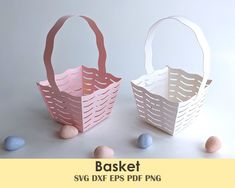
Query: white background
<point x="124" y="23"/>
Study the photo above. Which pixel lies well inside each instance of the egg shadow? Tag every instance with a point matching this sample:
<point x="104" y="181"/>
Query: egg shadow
<point x="56" y="134"/>
<point x="2" y="150"/>
<point x="201" y="148"/>
<point x="133" y="143"/>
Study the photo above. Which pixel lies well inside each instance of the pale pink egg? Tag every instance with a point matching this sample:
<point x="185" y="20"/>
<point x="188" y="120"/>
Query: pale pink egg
<point x="213" y="144"/>
<point x="68" y="131"/>
<point x="103" y="152"/>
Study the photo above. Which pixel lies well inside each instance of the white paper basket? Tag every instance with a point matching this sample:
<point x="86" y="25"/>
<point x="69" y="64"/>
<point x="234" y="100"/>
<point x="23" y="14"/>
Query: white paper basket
<point x="170" y="99"/>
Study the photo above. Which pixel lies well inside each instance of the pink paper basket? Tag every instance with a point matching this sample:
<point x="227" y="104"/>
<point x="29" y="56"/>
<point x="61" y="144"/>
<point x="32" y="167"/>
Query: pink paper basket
<point x="81" y="97"/>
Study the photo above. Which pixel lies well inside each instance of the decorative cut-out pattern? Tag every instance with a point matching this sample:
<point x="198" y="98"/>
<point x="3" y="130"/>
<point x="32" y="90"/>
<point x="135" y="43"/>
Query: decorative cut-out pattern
<point x="170" y="99"/>
<point x="86" y="98"/>
<point x="81" y="97"/>
<point x="175" y="111"/>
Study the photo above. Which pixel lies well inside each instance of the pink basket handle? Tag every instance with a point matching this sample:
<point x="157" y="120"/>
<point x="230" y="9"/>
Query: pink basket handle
<point x="50" y="44"/>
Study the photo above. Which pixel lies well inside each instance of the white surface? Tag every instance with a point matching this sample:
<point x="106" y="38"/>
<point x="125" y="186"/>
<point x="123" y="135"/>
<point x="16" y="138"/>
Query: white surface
<point x="24" y="25"/>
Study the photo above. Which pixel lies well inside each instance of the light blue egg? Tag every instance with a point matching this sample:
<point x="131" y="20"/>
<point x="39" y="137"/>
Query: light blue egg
<point x="144" y="141"/>
<point x="12" y="143"/>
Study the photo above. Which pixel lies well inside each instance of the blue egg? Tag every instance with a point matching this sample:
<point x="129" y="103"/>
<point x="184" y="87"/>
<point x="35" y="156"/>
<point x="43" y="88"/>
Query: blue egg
<point x="144" y="141"/>
<point x="12" y="143"/>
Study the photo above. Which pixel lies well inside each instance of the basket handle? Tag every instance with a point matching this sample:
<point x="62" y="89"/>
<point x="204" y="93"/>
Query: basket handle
<point x="200" y="38"/>
<point x="50" y="44"/>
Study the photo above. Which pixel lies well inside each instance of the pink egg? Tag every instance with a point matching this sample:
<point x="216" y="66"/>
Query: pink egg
<point x="103" y="152"/>
<point x="213" y="144"/>
<point x="68" y="131"/>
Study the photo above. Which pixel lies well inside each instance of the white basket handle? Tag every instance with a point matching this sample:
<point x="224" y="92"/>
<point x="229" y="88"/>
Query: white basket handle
<point x="50" y="44"/>
<point x="200" y="38"/>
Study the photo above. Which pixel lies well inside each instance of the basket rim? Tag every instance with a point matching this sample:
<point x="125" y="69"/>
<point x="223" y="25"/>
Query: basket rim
<point x="133" y="82"/>
<point x="115" y="80"/>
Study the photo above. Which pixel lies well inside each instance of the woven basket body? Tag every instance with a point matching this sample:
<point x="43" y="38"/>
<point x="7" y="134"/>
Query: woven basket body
<point x="81" y="97"/>
<point x="170" y="99"/>
<point x="169" y="102"/>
